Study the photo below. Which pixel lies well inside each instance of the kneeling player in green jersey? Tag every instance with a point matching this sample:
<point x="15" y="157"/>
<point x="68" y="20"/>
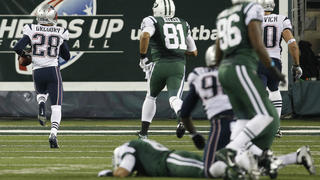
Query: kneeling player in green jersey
<point x="169" y="39"/>
<point x="144" y="157"/>
<point x="239" y="48"/>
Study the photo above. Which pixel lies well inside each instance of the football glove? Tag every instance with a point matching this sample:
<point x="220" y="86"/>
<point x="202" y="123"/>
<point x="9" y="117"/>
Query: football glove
<point x="105" y="173"/>
<point x="198" y="140"/>
<point x="296" y="71"/>
<point x="143" y="63"/>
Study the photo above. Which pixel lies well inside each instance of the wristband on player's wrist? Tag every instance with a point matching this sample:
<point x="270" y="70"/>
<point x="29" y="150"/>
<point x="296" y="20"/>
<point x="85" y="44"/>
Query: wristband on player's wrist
<point x="142" y="56"/>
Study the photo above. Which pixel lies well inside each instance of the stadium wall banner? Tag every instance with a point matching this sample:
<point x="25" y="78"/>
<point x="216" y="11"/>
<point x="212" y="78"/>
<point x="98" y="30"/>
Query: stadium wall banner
<point x="103" y="78"/>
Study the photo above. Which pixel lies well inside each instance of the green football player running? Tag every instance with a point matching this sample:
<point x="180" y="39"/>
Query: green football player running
<point x="169" y="39"/>
<point x="144" y="157"/>
<point x="239" y="47"/>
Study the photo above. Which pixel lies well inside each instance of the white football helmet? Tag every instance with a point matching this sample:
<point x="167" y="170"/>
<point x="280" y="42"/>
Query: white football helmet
<point x="210" y="56"/>
<point x="164" y="8"/>
<point x="268" y="5"/>
<point x="241" y="1"/>
<point x="116" y="158"/>
<point x="46" y="14"/>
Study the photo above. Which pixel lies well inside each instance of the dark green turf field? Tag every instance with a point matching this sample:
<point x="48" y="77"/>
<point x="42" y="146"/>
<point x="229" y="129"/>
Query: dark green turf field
<point x="87" y="146"/>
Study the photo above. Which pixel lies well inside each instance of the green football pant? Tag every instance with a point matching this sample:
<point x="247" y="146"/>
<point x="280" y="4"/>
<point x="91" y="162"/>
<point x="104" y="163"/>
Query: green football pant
<point x="170" y="74"/>
<point x="185" y="164"/>
<point x="248" y="98"/>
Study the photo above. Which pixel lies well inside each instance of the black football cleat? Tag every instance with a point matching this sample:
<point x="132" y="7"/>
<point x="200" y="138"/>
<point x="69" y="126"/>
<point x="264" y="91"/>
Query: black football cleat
<point x="141" y="136"/>
<point x="180" y="130"/>
<point x="53" y="141"/>
<point x="42" y="114"/>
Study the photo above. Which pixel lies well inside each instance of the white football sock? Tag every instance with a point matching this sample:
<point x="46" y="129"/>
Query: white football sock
<point x="55" y="118"/>
<point x="175" y="103"/>
<point x="254" y="149"/>
<point x="288" y="158"/>
<point x="238" y="127"/>
<point x="148" y="109"/>
<point x="42" y="98"/>
<point x="276" y="99"/>
<point x="252" y="129"/>
<point x="218" y="169"/>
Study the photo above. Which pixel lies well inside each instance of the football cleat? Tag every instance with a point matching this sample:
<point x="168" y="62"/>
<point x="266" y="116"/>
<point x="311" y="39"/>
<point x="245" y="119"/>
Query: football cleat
<point x="278" y="134"/>
<point x="227" y="155"/>
<point x="235" y="173"/>
<point x="53" y="141"/>
<point x="180" y="130"/>
<point x="269" y="164"/>
<point x="141" y="136"/>
<point x="304" y="157"/>
<point x="105" y="173"/>
<point x="42" y="114"/>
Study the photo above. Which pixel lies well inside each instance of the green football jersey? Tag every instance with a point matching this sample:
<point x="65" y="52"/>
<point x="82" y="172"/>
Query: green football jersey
<point x="168" y="43"/>
<point x="150" y="157"/>
<point x="232" y="26"/>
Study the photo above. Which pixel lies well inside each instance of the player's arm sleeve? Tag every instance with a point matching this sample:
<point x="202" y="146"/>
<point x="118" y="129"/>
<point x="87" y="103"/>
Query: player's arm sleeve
<point x="128" y="162"/>
<point x="287" y="24"/>
<point x="148" y="25"/>
<point x="189" y="103"/>
<point x="64" y="51"/>
<point x="65" y="35"/>
<point x="21" y="44"/>
<point x="253" y="12"/>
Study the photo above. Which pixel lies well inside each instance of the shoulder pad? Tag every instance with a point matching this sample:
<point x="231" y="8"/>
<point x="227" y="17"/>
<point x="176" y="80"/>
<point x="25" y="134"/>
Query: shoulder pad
<point x="27" y="29"/>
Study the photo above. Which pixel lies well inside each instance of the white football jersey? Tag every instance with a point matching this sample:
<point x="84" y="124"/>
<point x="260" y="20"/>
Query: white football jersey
<point x="209" y="89"/>
<point x="273" y="26"/>
<point x="45" y="43"/>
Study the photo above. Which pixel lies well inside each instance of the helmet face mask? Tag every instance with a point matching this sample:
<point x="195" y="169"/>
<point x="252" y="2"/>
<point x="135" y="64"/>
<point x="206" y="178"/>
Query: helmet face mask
<point x="46" y="14"/>
<point x="164" y="8"/>
<point x="210" y="56"/>
<point x="268" y="5"/>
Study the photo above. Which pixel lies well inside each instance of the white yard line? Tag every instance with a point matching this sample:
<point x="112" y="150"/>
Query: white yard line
<point x="295" y="131"/>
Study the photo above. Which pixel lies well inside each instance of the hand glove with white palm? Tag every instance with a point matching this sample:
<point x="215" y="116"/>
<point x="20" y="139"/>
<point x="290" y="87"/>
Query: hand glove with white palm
<point x="296" y="71"/>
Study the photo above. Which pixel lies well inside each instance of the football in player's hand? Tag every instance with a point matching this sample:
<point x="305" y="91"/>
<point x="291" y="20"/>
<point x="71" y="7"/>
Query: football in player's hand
<point x="25" y="60"/>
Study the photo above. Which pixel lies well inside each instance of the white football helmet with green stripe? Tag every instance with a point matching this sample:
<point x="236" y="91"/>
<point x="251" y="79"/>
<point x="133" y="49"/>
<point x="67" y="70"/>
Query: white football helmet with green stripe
<point x="164" y="8"/>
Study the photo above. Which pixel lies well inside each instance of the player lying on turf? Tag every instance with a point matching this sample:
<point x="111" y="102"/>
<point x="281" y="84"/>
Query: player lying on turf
<point x="48" y="42"/>
<point x="204" y="85"/>
<point x="169" y="39"/>
<point x="144" y="157"/>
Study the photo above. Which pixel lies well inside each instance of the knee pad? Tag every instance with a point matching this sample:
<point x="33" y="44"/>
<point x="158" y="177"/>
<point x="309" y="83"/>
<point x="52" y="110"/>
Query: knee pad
<point x="175" y="103"/>
<point x="42" y="98"/>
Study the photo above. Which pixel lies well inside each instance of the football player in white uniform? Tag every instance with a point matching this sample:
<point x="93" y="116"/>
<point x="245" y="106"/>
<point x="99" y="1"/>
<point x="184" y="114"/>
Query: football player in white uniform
<point x="48" y="42"/>
<point x="204" y="85"/>
<point x="275" y="28"/>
